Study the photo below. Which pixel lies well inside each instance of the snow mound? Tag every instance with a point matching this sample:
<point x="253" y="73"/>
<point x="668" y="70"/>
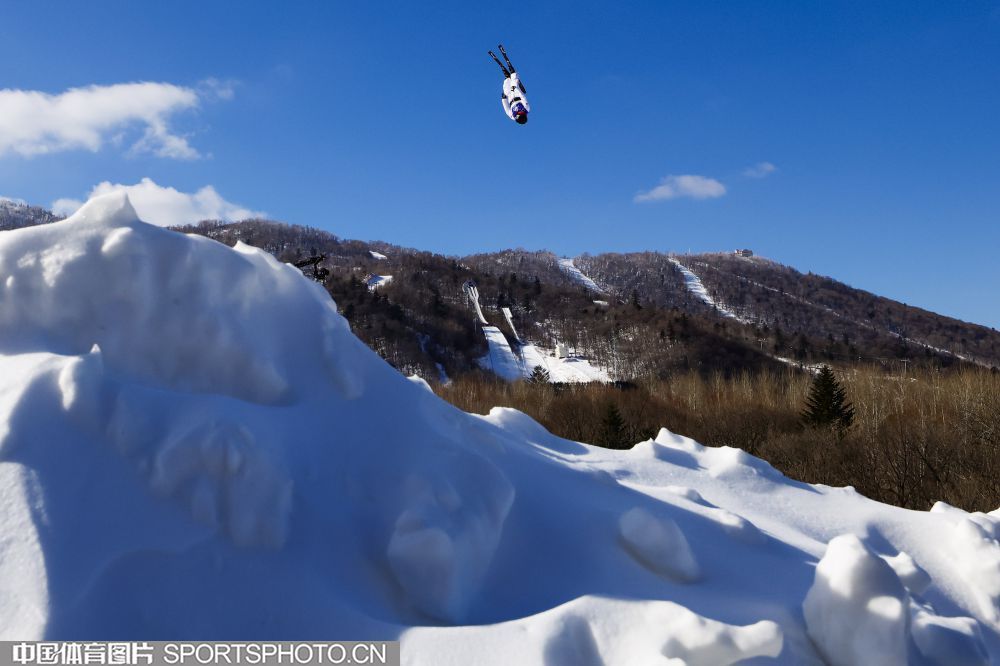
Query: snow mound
<point x="196" y="365"/>
<point x="160" y="316"/>
<point x="657" y="543"/>
<point x="980" y="563"/>
<point x="858" y="611"/>
<point x="193" y="444"/>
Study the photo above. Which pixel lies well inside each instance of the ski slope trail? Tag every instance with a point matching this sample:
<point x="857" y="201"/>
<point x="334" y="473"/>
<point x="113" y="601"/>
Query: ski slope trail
<point x="695" y="286"/>
<point x="577" y="275"/>
<point x="193" y="444"/>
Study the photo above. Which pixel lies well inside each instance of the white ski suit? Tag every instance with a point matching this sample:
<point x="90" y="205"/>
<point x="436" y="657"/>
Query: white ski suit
<point x="513" y="93"/>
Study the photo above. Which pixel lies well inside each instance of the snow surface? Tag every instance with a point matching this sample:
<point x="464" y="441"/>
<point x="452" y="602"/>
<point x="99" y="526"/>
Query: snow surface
<point x="194" y="445"/>
<point x="515" y="363"/>
<point x="376" y="281"/>
<point x="377" y="255"/>
<point x="568" y="369"/>
<point x="576" y="274"/>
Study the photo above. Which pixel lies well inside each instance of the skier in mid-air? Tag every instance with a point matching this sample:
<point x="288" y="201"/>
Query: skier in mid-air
<point x="514" y="99"/>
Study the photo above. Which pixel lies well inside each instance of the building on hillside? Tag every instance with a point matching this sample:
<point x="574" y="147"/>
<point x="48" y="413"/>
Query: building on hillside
<point x="743" y="253"/>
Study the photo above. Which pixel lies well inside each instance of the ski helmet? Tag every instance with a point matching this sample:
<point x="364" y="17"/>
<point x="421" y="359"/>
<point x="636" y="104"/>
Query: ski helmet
<point x="521" y="118"/>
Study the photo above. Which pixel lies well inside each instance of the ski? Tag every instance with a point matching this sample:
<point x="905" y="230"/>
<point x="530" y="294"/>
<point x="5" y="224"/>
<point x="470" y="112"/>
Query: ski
<point x="497" y="61"/>
<point x="503" y="52"/>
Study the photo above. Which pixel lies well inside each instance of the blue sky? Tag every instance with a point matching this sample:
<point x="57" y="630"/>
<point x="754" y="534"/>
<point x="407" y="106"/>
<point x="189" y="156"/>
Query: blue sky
<point x="381" y="120"/>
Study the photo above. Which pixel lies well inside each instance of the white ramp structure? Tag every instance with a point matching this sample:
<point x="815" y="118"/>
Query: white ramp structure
<point x="510" y="322"/>
<point x="472" y="291"/>
<point x="501" y="360"/>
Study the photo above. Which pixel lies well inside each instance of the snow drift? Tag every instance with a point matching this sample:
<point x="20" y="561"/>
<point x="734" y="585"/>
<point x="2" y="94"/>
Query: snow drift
<point x="194" y="445"/>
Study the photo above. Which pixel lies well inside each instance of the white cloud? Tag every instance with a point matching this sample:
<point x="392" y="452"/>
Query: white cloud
<point x="690" y="186"/>
<point x="166" y="206"/>
<point x="760" y="170"/>
<point x="215" y="89"/>
<point x="37" y="123"/>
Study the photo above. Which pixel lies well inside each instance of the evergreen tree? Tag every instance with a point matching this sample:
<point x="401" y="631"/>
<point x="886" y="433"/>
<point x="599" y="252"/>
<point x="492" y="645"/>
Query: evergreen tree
<point x="612" y="428"/>
<point x="827" y="404"/>
<point x="539" y="376"/>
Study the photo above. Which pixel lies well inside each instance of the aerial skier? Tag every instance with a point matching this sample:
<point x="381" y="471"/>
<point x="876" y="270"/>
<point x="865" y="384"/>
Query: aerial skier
<point x="514" y="99"/>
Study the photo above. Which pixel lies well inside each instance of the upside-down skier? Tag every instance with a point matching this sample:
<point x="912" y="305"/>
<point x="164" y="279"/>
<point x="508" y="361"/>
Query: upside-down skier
<point x="514" y="99"/>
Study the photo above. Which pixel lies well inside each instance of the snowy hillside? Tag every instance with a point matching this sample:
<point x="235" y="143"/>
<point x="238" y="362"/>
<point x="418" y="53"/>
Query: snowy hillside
<point x="15" y="214"/>
<point x="193" y="444"/>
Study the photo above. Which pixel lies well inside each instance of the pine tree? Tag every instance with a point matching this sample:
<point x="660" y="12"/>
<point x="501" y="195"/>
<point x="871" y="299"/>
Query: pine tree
<point x="539" y="376"/>
<point x="612" y="428"/>
<point x="827" y="404"/>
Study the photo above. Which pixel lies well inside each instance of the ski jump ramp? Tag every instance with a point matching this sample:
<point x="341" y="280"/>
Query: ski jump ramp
<point x="513" y="365"/>
<point x="502" y="359"/>
<point x="510" y="322"/>
<point x="472" y="291"/>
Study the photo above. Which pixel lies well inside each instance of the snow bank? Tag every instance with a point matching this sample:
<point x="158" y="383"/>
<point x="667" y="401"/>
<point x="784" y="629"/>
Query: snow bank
<point x="858" y="611"/>
<point x="974" y="544"/>
<point x="159" y="316"/>
<point x="194" y="445"/>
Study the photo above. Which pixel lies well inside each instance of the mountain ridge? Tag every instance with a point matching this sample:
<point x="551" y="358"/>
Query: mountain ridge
<point x="638" y="316"/>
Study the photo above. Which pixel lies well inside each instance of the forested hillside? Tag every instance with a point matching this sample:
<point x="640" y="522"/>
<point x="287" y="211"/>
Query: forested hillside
<point x="643" y="319"/>
<point x="17" y="214"/>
